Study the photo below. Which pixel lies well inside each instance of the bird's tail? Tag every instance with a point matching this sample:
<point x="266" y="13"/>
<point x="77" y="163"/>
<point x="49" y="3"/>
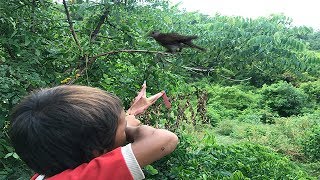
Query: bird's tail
<point x="192" y="37"/>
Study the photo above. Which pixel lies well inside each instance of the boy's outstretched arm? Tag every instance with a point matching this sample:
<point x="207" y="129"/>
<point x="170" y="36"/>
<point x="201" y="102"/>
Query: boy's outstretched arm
<point x="150" y="144"/>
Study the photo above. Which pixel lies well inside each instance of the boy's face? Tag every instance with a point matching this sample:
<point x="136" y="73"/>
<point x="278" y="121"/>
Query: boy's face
<point x="121" y="138"/>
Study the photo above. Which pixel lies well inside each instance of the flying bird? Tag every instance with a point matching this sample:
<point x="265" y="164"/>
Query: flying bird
<point x="174" y="42"/>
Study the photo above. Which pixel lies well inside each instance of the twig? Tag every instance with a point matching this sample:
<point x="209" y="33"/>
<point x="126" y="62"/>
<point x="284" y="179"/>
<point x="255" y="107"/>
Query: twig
<point x="71" y="25"/>
<point x="101" y="21"/>
<point x="197" y="69"/>
<point x="131" y="51"/>
<point x="257" y="67"/>
<point x="92" y="59"/>
<point x="106" y="37"/>
<point x="193" y="68"/>
<point x="114" y="26"/>
<point x="33" y="16"/>
<point x="238" y="80"/>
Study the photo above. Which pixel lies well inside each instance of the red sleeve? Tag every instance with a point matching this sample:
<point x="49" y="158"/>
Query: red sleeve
<point x="34" y="177"/>
<point x="108" y="166"/>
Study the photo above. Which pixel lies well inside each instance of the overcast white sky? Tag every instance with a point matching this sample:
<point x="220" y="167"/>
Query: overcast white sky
<point x="303" y="12"/>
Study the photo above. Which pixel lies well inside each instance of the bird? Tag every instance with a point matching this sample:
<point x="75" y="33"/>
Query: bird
<point x="174" y="42"/>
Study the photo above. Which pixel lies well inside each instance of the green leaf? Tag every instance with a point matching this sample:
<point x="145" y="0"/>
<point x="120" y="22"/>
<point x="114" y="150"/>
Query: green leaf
<point x="15" y="155"/>
<point x="26" y="41"/>
<point x="8" y="155"/>
<point x="150" y="169"/>
<point x="37" y="52"/>
<point x="167" y="19"/>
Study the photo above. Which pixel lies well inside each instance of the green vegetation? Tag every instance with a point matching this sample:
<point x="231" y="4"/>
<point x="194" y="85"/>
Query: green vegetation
<point x="247" y="108"/>
<point x="311" y="145"/>
<point x="284" y="99"/>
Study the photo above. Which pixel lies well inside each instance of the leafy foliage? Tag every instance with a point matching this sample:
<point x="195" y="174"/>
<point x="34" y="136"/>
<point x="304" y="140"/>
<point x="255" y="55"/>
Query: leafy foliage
<point x="283" y="98"/>
<point x="104" y="44"/>
<point x="312" y="89"/>
<point x="230" y="101"/>
<point x="285" y="135"/>
<point x="311" y="145"/>
<point x="211" y="160"/>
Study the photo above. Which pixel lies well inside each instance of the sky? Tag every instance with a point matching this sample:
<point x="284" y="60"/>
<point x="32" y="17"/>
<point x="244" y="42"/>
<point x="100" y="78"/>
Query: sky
<point x="303" y="12"/>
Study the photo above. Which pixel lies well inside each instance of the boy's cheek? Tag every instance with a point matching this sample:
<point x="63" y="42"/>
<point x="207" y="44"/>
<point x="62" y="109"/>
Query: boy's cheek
<point x="121" y="140"/>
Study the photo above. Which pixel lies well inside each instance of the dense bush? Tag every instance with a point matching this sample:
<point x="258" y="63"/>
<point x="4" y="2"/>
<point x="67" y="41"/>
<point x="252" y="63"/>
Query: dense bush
<point x="312" y="89"/>
<point x="285" y="135"/>
<point x="232" y="97"/>
<point x="229" y="102"/>
<point x="312" y="144"/>
<point x="283" y="98"/>
<point x="207" y="160"/>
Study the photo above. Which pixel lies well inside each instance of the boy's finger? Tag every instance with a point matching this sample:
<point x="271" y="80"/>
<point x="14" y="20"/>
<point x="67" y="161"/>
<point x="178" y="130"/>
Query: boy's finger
<point x="153" y="99"/>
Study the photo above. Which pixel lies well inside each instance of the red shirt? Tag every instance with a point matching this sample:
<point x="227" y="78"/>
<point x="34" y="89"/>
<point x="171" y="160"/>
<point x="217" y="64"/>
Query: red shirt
<point x="111" y="165"/>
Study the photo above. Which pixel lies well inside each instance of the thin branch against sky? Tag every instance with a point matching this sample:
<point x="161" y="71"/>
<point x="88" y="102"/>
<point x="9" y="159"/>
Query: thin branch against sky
<point x="303" y="12"/>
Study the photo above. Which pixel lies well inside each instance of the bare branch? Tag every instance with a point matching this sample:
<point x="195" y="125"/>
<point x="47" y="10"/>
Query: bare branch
<point x="197" y="69"/>
<point x="193" y="68"/>
<point x="71" y="25"/>
<point x="238" y="80"/>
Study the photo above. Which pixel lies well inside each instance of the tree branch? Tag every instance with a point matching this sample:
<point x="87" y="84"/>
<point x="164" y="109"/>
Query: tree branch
<point x="33" y="16"/>
<point x="257" y="67"/>
<point x="193" y="68"/>
<point x="71" y="25"/>
<point x="101" y="21"/>
<point x="131" y="51"/>
<point x="92" y="59"/>
<point x="114" y="26"/>
<point x="238" y="80"/>
<point x="197" y="69"/>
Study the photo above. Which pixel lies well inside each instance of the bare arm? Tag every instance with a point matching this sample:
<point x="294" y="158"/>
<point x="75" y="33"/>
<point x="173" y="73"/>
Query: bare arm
<point x="150" y="144"/>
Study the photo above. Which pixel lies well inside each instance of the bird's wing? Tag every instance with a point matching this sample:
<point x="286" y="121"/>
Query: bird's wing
<point x="174" y="38"/>
<point x="182" y="38"/>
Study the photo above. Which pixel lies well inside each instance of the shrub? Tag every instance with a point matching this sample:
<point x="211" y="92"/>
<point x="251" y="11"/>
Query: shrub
<point x="284" y="136"/>
<point x="266" y="116"/>
<point x="229" y="102"/>
<point x="283" y="98"/>
<point x="212" y="161"/>
<point x="232" y="97"/>
<point x="311" y="145"/>
<point x="312" y="89"/>
<point x="226" y="127"/>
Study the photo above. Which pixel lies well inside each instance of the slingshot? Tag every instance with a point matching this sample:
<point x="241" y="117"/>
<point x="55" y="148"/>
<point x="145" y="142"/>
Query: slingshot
<point x="141" y="102"/>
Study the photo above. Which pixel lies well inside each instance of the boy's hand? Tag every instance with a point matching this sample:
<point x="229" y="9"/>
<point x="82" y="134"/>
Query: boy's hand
<point x="141" y="102"/>
<point x="132" y="121"/>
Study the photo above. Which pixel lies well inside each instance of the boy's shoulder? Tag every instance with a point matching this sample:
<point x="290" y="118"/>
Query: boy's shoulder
<point x="119" y="163"/>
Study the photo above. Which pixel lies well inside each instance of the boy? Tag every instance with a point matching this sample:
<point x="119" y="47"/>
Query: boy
<point x="79" y="132"/>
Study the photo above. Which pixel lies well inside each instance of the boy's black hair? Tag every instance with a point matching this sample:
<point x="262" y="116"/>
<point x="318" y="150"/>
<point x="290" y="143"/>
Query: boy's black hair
<point x="59" y="128"/>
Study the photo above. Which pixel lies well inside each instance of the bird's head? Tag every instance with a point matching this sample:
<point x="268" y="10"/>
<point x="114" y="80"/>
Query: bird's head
<point x="154" y="34"/>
